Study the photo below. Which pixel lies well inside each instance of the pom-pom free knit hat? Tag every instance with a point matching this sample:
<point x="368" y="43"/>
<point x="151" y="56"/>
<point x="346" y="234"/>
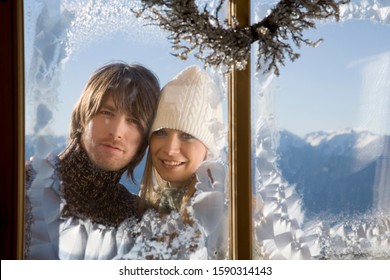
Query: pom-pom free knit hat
<point x="187" y="103"/>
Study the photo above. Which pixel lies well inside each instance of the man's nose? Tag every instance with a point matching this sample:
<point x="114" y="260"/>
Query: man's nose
<point x="117" y="127"/>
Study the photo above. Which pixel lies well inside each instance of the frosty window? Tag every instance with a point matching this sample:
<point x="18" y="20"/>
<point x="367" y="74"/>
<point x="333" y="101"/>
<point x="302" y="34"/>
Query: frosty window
<point x="322" y="143"/>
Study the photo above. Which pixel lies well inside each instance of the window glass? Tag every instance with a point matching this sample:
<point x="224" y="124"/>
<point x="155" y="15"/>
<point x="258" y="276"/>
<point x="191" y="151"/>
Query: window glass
<point x="321" y="135"/>
<point x="65" y="42"/>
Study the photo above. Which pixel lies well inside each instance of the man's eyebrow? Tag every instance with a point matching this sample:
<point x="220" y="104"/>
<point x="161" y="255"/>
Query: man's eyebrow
<point x="109" y="107"/>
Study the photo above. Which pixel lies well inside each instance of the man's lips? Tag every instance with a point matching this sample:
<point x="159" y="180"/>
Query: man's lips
<point x="113" y="147"/>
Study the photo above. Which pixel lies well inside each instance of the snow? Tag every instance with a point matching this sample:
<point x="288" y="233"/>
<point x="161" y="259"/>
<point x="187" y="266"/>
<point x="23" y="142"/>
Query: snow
<point x="358" y="138"/>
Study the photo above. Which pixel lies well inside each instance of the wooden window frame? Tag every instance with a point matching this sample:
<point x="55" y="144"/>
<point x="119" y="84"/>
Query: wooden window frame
<point x="240" y="177"/>
<point x="12" y="118"/>
<point x="12" y="114"/>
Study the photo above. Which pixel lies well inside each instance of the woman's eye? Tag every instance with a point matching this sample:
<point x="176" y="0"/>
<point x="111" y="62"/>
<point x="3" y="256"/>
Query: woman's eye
<point x="160" y="132"/>
<point x="187" y="136"/>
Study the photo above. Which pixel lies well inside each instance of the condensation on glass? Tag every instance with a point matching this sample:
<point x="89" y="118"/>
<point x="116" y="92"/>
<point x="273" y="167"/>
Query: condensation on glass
<point x="320" y="130"/>
<point x="65" y="41"/>
<point x="321" y="142"/>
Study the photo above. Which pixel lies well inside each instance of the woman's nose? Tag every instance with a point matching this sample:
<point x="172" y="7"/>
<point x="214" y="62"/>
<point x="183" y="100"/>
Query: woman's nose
<point x="172" y="144"/>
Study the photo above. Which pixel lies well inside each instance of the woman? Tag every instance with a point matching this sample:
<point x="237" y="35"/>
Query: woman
<point x="182" y="137"/>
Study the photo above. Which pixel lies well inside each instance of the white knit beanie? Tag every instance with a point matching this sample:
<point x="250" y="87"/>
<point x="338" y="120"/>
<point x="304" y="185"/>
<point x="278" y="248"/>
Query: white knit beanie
<point x="190" y="103"/>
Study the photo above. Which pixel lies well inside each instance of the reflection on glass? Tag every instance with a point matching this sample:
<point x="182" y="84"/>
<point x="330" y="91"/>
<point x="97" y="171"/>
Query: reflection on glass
<point x="66" y="41"/>
<point x="322" y="144"/>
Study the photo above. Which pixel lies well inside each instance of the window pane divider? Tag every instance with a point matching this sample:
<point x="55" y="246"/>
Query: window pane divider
<point x="240" y="178"/>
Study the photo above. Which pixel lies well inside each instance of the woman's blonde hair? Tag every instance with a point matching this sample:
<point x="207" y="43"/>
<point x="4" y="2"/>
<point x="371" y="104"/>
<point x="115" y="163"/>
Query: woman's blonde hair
<point x="135" y="90"/>
<point x="152" y="193"/>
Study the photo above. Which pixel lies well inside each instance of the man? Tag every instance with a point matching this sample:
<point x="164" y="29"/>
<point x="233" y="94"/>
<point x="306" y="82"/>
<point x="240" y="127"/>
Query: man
<point x="75" y="202"/>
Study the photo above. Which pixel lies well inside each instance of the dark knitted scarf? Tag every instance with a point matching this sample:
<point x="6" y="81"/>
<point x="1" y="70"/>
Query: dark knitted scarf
<point x="92" y="193"/>
<point x="171" y="199"/>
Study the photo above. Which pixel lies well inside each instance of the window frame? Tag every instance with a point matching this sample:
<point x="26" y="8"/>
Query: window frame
<point x="239" y="117"/>
<point x="240" y="177"/>
<point x="12" y="114"/>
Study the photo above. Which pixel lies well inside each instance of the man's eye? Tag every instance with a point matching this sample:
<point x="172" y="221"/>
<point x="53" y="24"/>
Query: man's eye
<point x="132" y="121"/>
<point x="105" y="112"/>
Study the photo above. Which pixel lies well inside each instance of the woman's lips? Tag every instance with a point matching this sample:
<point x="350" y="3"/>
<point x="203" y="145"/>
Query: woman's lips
<point x="171" y="164"/>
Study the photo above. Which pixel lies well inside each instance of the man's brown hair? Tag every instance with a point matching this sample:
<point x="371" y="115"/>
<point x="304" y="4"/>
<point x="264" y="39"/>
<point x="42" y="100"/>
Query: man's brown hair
<point x="134" y="89"/>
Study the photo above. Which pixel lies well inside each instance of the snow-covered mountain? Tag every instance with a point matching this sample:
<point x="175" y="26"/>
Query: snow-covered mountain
<point x="336" y="172"/>
<point x="57" y="144"/>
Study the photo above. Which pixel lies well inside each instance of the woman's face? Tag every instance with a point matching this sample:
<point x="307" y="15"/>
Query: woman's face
<point x="176" y="155"/>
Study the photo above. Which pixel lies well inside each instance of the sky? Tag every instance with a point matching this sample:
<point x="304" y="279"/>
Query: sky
<point x="342" y="83"/>
<point x="339" y="84"/>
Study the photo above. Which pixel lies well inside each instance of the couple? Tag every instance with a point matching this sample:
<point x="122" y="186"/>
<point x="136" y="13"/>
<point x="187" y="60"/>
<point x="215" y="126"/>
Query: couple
<point x="75" y="206"/>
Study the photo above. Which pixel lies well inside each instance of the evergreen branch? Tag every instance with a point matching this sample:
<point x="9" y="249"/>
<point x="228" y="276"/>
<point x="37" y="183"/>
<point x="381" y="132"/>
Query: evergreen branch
<point x="216" y="43"/>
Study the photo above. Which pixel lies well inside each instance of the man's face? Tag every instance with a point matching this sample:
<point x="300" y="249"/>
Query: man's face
<point x="111" y="138"/>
